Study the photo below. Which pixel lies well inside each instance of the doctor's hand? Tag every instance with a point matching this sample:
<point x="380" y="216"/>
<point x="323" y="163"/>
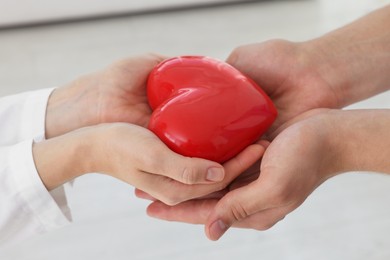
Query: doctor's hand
<point x="115" y="94"/>
<point x="136" y="156"/>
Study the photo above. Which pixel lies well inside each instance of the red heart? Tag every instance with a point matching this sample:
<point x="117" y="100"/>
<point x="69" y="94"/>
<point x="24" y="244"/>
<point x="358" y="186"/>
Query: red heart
<point x="206" y="108"/>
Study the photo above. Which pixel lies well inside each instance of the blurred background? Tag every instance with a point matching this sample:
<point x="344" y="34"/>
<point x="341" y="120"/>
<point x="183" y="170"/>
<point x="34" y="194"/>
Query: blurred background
<point x="49" y="43"/>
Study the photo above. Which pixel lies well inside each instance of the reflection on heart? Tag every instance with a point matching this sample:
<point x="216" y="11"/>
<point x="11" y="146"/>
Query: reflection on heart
<point x="205" y="108"/>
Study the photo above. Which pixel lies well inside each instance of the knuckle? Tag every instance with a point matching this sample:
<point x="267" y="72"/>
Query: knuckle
<point x="171" y="198"/>
<point x="281" y="197"/>
<point x="270" y="221"/>
<point x="188" y="175"/>
<point x="265" y="226"/>
<point x="156" y="149"/>
<point x="156" y="158"/>
<point x="239" y="50"/>
<point x="170" y="202"/>
<point x="221" y="186"/>
<point x="155" y="57"/>
<point x="235" y="54"/>
<point x="238" y="211"/>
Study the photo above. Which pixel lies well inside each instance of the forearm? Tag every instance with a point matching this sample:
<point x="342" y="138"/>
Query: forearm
<point x="362" y="138"/>
<point x="355" y="59"/>
<point x="71" y="107"/>
<point x="63" y="158"/>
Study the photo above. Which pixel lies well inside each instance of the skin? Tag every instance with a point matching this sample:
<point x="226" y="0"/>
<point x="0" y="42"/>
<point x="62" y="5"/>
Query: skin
<point x="340" y="68"/>
<point x="136" y="156"/>
<point x="114" y="94"/>
<point x="309" y="144"/>
<point x="97" y="124"/>
<point x="292" y="167"/>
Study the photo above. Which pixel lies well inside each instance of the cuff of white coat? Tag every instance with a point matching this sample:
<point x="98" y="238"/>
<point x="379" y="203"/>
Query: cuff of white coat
<point x="50" y="212"/>
<point x="34" y="113"/>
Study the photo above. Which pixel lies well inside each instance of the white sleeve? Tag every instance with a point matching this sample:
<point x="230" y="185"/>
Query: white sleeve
<point x="22" y="116"/>
<point x="26" y="207"/>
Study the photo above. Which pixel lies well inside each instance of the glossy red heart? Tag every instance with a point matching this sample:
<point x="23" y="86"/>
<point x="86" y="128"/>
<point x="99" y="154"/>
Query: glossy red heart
<point x="205" y="108"/>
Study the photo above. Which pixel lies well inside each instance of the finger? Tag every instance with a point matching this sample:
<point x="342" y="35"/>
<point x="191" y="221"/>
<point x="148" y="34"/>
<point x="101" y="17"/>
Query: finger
<point x="236" y="206"/>
<point x="191" y="170"/>
<point x="172" y="192"/>
<point x="241" y="56"/>
<point x="193" y="212"/>
<point x="244" y="160"/>
<point x="263" y="220"/>
<point x="134" y="70"/>
<point x="143" y="195"/>
<point x="264" y="143"/>
<point x="158" y="56"/>
<point x="160" y="160"/>
<point x="234" y="56"/>
<point x="144" y="62"/>
<point x="156" y="158"/>
<point x="214" y="195"/>
<point x="163" y="161"/>
<point x="197" y="212"/>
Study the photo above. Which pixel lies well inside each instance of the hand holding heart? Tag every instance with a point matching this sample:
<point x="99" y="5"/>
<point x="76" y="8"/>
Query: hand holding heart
<point x="298" y="77"/>
<point x="289" y="75"/>
<point x="83" y="118"/>
<point x="292" y="166"/>
<point x="114" y="94"/>
<point x="308" y="145"/>
<point x="206" y="108"/>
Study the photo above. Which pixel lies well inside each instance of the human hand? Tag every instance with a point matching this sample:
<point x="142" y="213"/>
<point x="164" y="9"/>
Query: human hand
<point x="136" y="156"/>
<point x="337" y="69"/>
<point x="310" y="149"/>
<point x="290" y="74"/>
<point x="291" y="168"/>
<point x="115" y="94"/>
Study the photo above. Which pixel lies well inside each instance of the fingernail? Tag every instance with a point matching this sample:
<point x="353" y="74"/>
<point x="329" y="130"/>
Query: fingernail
<point x="215" y="174"/>
<point x="217" y="229"/>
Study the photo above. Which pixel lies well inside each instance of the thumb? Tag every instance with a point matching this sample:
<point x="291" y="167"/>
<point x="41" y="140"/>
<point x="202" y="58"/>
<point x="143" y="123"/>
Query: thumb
<point x="243" y="57"/>
<point x="235" y="207"/>
<point x="186" y="170"/>
<point x="194" y="170"/>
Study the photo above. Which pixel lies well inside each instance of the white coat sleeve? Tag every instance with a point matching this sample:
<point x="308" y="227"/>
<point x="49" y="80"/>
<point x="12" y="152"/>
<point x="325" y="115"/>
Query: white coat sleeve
<point x="26" y="207"/>
<point x="22" y="116"/>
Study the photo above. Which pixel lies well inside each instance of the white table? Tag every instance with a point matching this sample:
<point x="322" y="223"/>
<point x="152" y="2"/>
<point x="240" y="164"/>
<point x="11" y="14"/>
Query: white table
<point x="346" y="218"/>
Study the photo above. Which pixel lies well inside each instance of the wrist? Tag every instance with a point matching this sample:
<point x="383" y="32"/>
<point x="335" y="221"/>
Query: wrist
<point x="61" y="159"/>
<point x="363" y="140"/>
<point x="354" y="59"/>
<point x="69" y="108"/>
<point x="319" y="53"/>
<point x="326" y="129"/>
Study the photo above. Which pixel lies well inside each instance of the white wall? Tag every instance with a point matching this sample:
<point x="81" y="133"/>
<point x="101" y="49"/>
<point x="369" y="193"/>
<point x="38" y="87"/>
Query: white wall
<point x="15" y="12"/>
<point x="26" y="11"/>
<point x="336" y="12"/>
